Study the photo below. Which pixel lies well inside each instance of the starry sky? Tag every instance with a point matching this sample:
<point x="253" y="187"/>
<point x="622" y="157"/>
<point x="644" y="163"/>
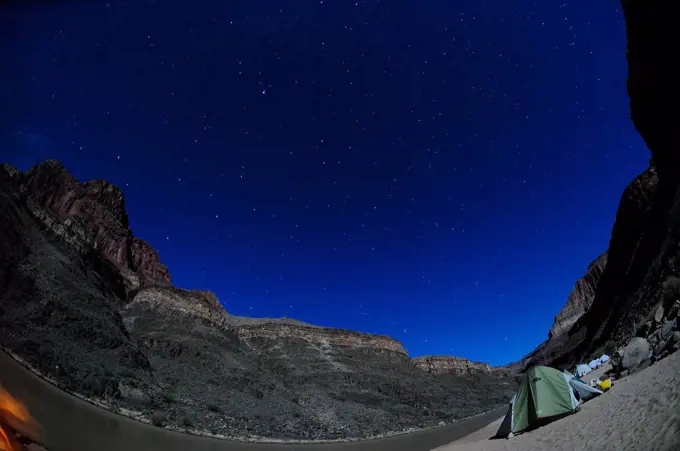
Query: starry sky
<point x="440" y="172"/>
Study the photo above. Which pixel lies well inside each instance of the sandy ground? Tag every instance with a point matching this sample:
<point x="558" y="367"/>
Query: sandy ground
<point x="640" y="412"/>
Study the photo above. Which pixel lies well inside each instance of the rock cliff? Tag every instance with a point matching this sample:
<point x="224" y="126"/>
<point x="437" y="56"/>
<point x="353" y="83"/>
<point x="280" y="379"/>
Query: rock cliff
<point x="92" y="213"/>
<point x="90" y="306"/>
<point x="643" y="253"/>
<point x="457" y="365"/>
<point x="598" y="297"/>
<point x="643" y="250"/>
<point x="580" y="299"/>
<point x="204" y="305"/>
<point x="173" y="300"/>
<point x="319" y="335"/>
<point x="578" y="302"/>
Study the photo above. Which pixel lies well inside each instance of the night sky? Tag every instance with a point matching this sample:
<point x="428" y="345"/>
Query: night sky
<point x="440" y="172"/>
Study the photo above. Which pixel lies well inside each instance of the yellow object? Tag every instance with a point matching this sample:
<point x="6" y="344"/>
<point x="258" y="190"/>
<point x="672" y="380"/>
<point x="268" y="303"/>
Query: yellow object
<point x="605" y="384"/>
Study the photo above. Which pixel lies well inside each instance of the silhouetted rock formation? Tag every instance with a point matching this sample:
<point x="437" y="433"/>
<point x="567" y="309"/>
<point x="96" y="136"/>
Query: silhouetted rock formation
<point x="89" y="305"/>
<point x="653" y="89"/>
<point x="643" y="249"/>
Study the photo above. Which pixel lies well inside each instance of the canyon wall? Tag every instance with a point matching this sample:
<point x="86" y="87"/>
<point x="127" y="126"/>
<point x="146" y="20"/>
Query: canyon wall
<point x="90" y="214"/>
<point x="580" y="298"/>
<point x="457" y="365"/>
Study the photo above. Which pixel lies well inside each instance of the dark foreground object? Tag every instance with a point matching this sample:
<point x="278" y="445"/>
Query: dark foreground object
<point x="71" y="424"/>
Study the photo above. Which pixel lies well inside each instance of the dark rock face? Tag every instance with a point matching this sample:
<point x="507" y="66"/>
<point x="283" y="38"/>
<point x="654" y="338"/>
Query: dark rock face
<point x="627" y="262"/>
<point x="580" y="299"/>
<point x="176" y="356"/>
<point x="643" y="250"/>
<point x="99" y="209"/>
<point x="653" y="88"/>
<point x="652" y="221"/>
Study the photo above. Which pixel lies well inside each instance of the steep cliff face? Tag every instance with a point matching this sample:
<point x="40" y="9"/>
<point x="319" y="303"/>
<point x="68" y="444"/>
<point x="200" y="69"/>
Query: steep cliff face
<point x="93" y="214"/>
<point x="653" y="89"/>
<point x="630" y="257"/>
<point x="580" y="299"/>
<point x="643" y="249"/>
<point x="610" y="279"/>
<point x="457" y="365"/>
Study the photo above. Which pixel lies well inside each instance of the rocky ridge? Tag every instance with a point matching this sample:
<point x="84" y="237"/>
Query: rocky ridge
<point x="109" y="325"/>
<point x="205" y="306"/>
<point x="320" y="335"/>
<point x="90" y="215"/>
<point x="457" y="365"/>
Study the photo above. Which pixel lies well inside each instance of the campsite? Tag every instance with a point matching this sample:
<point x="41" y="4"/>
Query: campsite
<point x="547" y="394"/>
<point x="641" y="409"/>
<point x="582" y="368"/>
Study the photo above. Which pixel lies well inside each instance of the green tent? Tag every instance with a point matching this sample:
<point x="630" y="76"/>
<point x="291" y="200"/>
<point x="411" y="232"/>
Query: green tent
<point x="544" y="395"/>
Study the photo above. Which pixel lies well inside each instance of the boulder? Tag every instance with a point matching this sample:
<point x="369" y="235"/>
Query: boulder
<point x="636" y="351"/>
<point x="658" y="314"/>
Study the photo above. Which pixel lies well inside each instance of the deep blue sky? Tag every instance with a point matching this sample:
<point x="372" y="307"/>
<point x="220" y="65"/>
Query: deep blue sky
<point x="441" y="172"/>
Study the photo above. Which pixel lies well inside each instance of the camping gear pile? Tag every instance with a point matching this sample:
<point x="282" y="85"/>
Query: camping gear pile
<point x="544" y="395"/>
<point x="604" y="385"/>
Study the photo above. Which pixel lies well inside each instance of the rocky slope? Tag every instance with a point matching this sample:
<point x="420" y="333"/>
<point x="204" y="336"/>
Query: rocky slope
<point x="90" y="305"/>
<point x="457" y="365"/>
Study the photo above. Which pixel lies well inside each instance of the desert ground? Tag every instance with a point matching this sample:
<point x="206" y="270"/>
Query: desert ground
<point x="640" y="412"/>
